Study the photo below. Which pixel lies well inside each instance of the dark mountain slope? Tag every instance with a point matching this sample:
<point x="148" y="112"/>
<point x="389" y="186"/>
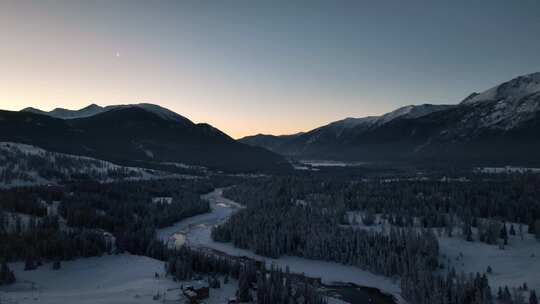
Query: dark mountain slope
<point x="270" y="142"/>
<point x="137" y="136"/>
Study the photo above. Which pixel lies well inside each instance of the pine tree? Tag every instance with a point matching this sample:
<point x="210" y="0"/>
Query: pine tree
<point x="3" y="221"/>
<point x="512" y="230"/>
<point x="6" y="275"/>
<point x="56" y="264"/>
<point x="504" y="234"/>
<point x="243" y="292"/>
<point x="506" y="294"/>
<point x="468" y="233"/>
<point x="532" y="297"/>
<point x="29" y="264"/>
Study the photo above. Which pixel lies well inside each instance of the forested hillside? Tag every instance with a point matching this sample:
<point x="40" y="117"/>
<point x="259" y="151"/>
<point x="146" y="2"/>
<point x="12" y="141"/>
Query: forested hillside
<point x="86" y="219"/>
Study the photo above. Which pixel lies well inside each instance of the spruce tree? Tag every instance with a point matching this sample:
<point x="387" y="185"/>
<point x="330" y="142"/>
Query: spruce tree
<point x="29" y="264"/>
<point x="243" y="292"/>
<point x="512" y="230"/>
<point x="6" y="275"/>
<point x="537" y="229"/>
<point x="532" y="297"/>
<point x="56" y="264"/>
<point x="504" y="234"/>
<point x="468" y="233"/>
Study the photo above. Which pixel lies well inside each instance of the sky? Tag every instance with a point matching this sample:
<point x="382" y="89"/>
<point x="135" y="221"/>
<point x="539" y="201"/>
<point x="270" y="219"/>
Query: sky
<point x="272" y="67"/>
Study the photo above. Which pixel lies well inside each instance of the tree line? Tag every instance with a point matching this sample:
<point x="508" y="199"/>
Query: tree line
<point x="256" y="282"/>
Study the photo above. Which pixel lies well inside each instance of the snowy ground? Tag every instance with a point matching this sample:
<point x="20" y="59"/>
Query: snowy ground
<point x="79" y="164"/>
<point x="109" y="279"/>
<point x="196" y="231"/>
<point x="517" y="263"/>
<point x="130" y="279"/>
<point x="507" y="170"/>
<point x="331" y="163"/>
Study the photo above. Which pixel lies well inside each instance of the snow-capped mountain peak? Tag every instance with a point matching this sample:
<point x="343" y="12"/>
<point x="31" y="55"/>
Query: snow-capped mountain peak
<point x="505" y="106"/>
<point x="160" y="111"/>
<point x="351" y="122"/>
<point x="94" y="109"/>
<point x="411" y="112"/>
<point x="512" y="90"/>
<point x="351" y="125"/>
<point x="62" y="113"/>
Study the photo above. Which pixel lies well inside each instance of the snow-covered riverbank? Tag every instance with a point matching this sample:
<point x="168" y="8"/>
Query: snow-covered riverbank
<point x="196" y="233"/>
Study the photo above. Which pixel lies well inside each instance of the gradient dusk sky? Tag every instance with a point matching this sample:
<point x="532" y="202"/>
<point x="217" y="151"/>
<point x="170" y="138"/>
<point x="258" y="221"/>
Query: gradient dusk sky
<point x="272" y="67"/>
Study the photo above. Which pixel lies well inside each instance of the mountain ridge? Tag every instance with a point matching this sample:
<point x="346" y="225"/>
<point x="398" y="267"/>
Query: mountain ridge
<point x="138" y="136"/>
<point x="94" y="109"/>
<point x="500" y="124"/>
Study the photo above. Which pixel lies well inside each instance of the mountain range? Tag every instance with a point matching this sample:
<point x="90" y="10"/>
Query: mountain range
<point x="143" y="135"/>
<point x="499" y="125"/>
<point x="95" y="109"/>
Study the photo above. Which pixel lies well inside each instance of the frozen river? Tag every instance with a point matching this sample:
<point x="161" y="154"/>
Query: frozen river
<point x="221" y="209"/>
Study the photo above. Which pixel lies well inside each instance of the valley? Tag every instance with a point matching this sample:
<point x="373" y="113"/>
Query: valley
<point x="273" y="220"/>
<point x="269" y="152"/>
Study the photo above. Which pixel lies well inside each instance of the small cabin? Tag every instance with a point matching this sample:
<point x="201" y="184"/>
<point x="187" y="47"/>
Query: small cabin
<point x="162" y="200"/>
<point x="196" y="292"/>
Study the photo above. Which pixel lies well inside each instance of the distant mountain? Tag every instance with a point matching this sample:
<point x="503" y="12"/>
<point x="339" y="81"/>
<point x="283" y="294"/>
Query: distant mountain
<point x="90" y="110"/>
<point x="335" y="134"/>
<point x="138" y="135"/>
<point x="270" y="142"/>
<point x="500" y="125"/>
<point x="94" y="109"/>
